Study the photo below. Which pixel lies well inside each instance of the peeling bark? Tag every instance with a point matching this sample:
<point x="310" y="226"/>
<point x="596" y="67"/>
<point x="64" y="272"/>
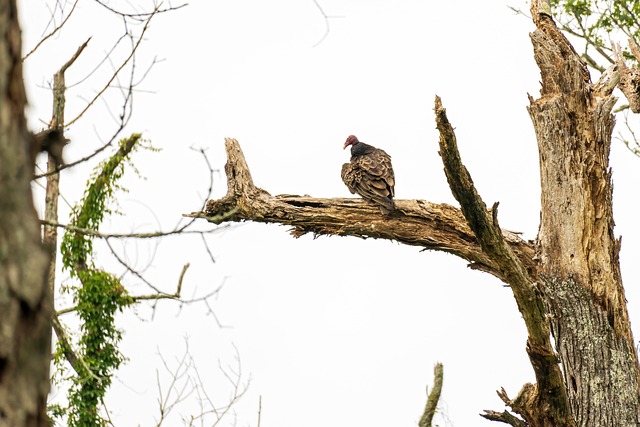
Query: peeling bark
<point x="414" y="222"/>
<point x="579" y="267"/>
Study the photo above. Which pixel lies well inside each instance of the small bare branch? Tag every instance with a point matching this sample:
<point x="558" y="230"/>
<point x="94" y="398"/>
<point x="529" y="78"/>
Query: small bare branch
<point x="122" y="119"/>
<point x="482" y="222"/>
<point x="185" y="380"/>
<point x="326" y="23"/>
<point x="54" y="31"/>
<point x="75" y="360"/>
<point x="75" y="56"/>
<point x="203" y="152"/>
<point x="238" y="389"/>
<point x="67" y="349"/>
<point x="259" y="410"/>
<point x="161" y="295"/>
<point x="142" y="15"/>
<point x="115" y="74"/>
<point x="634" y="144"/>
<point x="151" y="235"/>
<point x="180" y="386"/>
<point x="433" y="398"/>
<point x="518" y="404"/>
<point x="504" y="417"/>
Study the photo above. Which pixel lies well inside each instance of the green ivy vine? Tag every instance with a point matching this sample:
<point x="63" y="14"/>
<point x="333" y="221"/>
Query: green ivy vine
<point x="597" y="22"/>
<point x="98" y="296"/>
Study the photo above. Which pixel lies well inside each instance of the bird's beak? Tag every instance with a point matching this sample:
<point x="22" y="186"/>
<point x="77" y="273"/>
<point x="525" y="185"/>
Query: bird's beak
<point x="346" y="144"/>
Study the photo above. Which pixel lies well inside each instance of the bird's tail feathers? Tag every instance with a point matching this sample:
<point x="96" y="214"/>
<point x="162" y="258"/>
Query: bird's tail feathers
<point x="386" y="204"/>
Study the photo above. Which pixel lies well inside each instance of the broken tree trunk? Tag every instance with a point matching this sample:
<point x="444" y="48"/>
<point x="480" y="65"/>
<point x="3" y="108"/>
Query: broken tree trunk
<point x="578" y="253"/>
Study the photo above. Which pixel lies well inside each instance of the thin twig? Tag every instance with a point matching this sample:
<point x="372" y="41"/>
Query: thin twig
<point x="206" y="247"/>
<point x="259" y="409"/>
<point x="185" y="364"/>
<point x="175" y="295"/>
<point x="113" y="77"/>
<point x="74" y="57"/>
<point x="132" y="270"/>
<point x="55" y="30"/>
<point x="159" y="294"/>
<point x="153" y="234"/>
<point x="326" y="18"/>
<point x="137" y="16"/>
<point x="64" y="341"/>
<point x="106" y="57"/>
<point x="76" y="162"/>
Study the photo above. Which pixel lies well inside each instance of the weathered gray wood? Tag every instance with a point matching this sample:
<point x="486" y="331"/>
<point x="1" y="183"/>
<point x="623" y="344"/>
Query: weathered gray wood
<point x="547" y="402"/>
<point x="431" y="406"/>
<point x="578" y="253"/>
<point x="414" y="222"/>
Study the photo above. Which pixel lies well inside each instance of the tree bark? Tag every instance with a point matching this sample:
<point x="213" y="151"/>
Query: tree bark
<point x="414" y="222"/>
<point x="25" y="306"/>
<point x="52" y="194"/>
<point x="546" y="403"/>
<point x="579" y="267"/>
<point x="567" y="285"/>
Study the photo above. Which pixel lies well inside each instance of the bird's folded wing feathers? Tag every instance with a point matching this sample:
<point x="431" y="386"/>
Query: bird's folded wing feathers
<point x="348" y="177"/>
<point x="371" y="176"/>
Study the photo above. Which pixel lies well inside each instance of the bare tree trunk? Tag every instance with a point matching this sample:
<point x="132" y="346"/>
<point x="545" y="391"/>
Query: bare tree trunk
<point x="25" y="308"/>
<point x="579" y="267"/>
<point x="569" y="292"/>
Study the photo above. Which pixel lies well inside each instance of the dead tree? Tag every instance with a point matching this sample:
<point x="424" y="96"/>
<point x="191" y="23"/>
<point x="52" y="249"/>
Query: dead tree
<point x="567" y="284"/>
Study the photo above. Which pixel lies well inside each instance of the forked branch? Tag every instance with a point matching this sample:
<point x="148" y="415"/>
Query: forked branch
<point x="484" y="223"/>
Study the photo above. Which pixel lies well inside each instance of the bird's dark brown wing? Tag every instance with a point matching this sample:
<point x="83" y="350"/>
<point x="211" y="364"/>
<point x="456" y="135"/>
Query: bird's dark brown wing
<point x="371" y="176"/>
<point x="378" y="167"/>
<point x="350" y="176"/>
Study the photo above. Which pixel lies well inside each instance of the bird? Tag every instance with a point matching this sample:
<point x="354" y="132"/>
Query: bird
<point x="370" y="174"/>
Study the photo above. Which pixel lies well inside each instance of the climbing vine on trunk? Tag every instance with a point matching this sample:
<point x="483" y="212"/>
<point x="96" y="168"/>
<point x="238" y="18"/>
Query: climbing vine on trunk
<point x="97" y="298"/>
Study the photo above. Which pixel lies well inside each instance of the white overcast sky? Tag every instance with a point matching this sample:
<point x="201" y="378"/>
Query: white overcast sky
<point x="333" y="331"/>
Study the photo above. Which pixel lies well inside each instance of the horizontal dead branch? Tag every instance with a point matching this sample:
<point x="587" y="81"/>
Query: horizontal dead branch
<point x="415" y="222"/>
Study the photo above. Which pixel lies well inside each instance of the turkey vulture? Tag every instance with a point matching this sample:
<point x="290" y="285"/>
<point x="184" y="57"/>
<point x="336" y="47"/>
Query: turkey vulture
<point x="369" y="174"/>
